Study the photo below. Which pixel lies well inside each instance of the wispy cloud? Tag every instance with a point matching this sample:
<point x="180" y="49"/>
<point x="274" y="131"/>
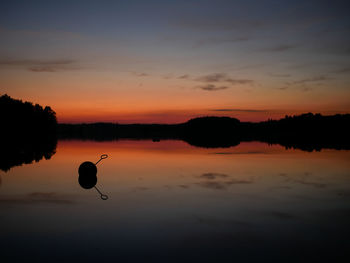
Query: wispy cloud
<point x="223" y="77"/>
<point x="313" y="79"/>
<point x="201" y="22"/>
<point x="341" y="70"/>
<point x="186" y="76"/>
<point x="37" y="65"/>
<point x="239" y="110"/>
<point x="279" y="48"/>
<point x="219" y="40"/>
<point x="140" y="74"/>
<point x="280" y="75"/>
<point x="211" y="87"/>
<point x="306" y="89"/>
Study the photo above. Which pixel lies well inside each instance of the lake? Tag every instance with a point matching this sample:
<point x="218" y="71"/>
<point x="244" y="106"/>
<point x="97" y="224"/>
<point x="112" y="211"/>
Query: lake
<point x="172" y="202"/>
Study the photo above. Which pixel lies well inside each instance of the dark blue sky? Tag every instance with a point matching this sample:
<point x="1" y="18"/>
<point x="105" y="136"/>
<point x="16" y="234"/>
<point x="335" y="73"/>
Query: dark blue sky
<point x="280" y="55"/>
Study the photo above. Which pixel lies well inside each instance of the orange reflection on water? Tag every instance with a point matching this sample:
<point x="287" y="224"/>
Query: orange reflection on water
<point x="157" y="165"/>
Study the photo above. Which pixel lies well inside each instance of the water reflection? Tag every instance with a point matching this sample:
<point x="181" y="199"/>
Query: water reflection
<point x="17" y="152"/>
<point x="176" y="203"/>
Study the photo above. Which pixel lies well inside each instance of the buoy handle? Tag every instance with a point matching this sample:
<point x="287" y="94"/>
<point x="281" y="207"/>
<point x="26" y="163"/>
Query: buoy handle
<point x="103" y="156"/>
<point x="103" y="197"/>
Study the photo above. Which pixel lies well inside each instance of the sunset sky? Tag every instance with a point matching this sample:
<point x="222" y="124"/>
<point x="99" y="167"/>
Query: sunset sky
<point x="168" y="61"/>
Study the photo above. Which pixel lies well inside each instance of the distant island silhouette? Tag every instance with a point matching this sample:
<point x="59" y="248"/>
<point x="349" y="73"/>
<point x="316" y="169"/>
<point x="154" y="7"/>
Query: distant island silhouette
<point x="306" y="131"/>
<point x="29" y="132"/>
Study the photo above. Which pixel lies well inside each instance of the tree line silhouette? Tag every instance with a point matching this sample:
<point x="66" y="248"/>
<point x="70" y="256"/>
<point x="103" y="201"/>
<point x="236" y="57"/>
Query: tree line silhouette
<point x="306" y="131"/>
<point x="28" y="132"/>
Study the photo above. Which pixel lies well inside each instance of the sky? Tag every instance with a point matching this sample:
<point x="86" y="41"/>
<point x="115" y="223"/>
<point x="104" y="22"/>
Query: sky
<point x="169" y="61"/>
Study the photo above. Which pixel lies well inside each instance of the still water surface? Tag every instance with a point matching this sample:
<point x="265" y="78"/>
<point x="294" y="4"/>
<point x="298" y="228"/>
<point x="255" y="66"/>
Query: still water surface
<point x="172" y="202"/>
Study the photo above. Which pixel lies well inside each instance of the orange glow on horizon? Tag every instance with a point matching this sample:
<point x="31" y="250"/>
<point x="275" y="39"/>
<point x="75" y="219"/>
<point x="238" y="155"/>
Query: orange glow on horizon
<point x="175" y="116"/>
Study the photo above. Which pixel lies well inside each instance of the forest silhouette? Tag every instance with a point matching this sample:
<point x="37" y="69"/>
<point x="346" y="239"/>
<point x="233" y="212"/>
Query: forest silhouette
<point x="29" y="132"/>
<point x="306" y="132"/>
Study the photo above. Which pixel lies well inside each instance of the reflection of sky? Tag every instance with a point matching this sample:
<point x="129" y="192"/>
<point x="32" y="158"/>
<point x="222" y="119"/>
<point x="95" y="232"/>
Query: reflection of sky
<point x="168" y="196"/>
<point x="170" y="60"/>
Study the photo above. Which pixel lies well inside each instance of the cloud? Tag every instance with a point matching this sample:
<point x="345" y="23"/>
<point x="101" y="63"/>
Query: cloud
<point x="211" y="87"/>
<point x="306" y="89"/>
<point x="42" y="69"/>
<point x="218" y="40"/>
<point x="280" y="75"/>
<point x="341" y="70"/>
<point x="239" y="110"/>
<point x="140" y="74"/>
<point x="201" y="22"/>
<point x="37" y="65"/>
<point x="279" y="48"/>
<point x="184" y="77"/>
<point x="308" y="80"/>
<point x="222" y="77"/>
<point x="215" y="77"/>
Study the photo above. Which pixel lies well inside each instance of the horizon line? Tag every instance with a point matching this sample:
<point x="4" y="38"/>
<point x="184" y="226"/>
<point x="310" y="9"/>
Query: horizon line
<point x="204" y="116"/>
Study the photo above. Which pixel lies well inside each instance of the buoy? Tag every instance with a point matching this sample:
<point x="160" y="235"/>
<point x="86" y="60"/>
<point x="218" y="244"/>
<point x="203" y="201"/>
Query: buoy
<point x="88" y="175"/>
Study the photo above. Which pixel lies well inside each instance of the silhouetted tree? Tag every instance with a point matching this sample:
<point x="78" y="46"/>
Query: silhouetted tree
<point x="28" y="132"/>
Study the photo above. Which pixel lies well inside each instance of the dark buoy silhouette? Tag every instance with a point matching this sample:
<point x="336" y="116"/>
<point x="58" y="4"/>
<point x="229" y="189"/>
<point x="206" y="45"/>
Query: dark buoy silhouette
<point x="88" y="175"/>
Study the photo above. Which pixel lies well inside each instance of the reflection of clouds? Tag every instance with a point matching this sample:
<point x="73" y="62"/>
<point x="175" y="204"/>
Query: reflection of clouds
<point x="213" y="175"/>
<point x="313" y="184"/>
<point x="249" y="152"/>
<point x="36" y="198"/>
<point x="213" y="185"/>
<point x="222" y="185"/>
<point x="345" y="193"/>
<point x="302" y="179"/>
<point x="279" y="215"/>
<point x="219" y="181"/>
<point x="220" y="221"/>
<point x="184" y="186"/>
<point x="141" y="188"/>
<point x="281" y="187"/>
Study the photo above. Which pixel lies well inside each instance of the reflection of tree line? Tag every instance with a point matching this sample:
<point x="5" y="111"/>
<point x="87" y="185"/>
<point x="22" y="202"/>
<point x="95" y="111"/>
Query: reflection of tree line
<point x="29" y="132"/>
<point x="307" y="131"/>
